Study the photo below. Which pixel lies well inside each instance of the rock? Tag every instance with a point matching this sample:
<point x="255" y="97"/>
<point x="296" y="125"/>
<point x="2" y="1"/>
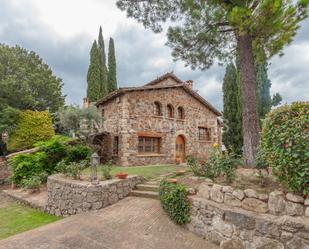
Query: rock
<point x="263" y="197"/>
<point x="255" y="205"/>
<point x="222" y="227"/>
<point x="297" y="243"/>
<point x="265" y="243"/>
<point x="251" y="193"/>
<point x="294" y="209"/>
<point x="285" y="236"/>
<point x="215" y="237"/>
<point x="276" y="203"/>
<point x="227" y="189"/>
<point x="204" y="190"/>
<point x="216" y="193"/>
<point x="291" y="224"/>
<point x="294" y="198"/>
<point x="267" y="228"/>
<point x="246" y="235"/>
<point x="231" y="244"/>
<point x="191" y="191"/>
<point x="239" y="194"/>
<point x="240" y="220"/>
<point x="306" y="203"/>
<point x="307" y="212"/>
<point x="231" y="200"/>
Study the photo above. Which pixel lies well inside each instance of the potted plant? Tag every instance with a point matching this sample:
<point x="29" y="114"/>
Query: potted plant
<point x="121" y="175"/>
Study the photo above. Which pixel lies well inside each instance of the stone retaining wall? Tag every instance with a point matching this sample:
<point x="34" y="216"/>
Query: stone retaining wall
<point x="275" y="203"/>
<point x="4" y="170"/>
<point x="236" y="219"/>
<point x="67" y="197"/>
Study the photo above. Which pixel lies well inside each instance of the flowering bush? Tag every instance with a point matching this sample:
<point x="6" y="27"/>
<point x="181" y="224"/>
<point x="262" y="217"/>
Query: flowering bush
<point x="285" y="145"/>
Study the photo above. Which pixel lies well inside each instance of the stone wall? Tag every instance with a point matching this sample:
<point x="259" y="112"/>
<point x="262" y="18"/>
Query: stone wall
<point x="236" y="219"/>
<point x="67" y="196"/>
<point x="4" y="170"/>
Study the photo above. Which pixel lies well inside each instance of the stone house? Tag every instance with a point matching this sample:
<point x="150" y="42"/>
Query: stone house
<point x="161" y="122"/>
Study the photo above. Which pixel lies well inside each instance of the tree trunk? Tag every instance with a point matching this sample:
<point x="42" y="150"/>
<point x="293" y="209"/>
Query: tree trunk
<point x="250" y="118"/>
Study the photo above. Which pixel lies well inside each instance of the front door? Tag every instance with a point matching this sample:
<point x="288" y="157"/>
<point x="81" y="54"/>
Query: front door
<point x="180" y="149"/>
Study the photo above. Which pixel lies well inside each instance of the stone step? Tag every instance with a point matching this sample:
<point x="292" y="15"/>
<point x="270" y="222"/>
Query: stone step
<point x="153" y="183"/>
<point x="145" y="194"/>
<point x="147" y="187"/>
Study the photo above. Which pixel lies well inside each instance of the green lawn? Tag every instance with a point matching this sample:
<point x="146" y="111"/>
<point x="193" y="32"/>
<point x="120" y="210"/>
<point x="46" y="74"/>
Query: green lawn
<point x="16" y="218"/>
<point x="148" y="172"/>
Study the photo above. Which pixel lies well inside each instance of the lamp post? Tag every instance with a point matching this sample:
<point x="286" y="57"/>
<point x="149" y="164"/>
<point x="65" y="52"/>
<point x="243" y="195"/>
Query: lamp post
<point x="95" y="160"/>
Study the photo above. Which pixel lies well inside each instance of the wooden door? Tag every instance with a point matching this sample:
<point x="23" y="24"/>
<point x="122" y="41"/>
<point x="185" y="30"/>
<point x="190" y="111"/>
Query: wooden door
<point x="180" y="149"/>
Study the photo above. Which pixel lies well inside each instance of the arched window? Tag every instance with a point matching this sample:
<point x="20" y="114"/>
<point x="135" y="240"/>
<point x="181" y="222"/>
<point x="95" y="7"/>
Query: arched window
<point x="157" y="109"/>
<point x="170" y="111"/>
<point x="181" y="113"/>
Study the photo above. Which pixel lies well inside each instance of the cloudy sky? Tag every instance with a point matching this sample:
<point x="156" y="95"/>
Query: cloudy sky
<point x="62" y="31"/>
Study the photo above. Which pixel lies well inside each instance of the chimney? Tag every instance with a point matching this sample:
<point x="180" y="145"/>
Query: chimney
<point x="189" y="83"/>
<point x="85" y="103"/>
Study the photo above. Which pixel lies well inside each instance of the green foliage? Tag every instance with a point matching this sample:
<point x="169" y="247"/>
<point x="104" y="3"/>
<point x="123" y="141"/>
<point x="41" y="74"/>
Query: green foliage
<point x="285" y="145"/>
<point x="32" y="126"/>
<point x="8" y="118"/>
<point x="46" y="160"/>
<point x="104" y="88"/>
<point x="94" y="75"/>
<point x="112" y="78"/>
<point x="78" y="153"/>
<point x="106" y="170"/>
<point x="32" y="182"/>
<point x="232" y="131"/>
<point x="217" y="164"/>
<point x="72" y="169"/>
<point x="175" y="202"/>
<point x="26" y="82"/>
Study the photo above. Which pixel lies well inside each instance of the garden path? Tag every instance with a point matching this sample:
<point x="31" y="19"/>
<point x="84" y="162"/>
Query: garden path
<point x="132" y="223"/>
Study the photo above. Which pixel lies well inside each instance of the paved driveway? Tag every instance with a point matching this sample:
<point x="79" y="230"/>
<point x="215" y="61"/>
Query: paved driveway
<point x="132" y="223"/>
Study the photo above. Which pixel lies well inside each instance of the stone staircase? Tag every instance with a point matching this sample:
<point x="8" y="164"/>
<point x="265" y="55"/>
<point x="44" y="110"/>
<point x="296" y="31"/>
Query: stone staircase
<point x="146" y="190"/>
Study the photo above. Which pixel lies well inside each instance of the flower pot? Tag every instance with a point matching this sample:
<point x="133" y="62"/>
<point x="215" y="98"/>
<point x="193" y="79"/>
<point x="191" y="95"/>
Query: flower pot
<point x="122" y="175"/>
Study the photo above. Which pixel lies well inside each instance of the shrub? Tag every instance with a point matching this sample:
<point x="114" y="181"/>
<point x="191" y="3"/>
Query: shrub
<point x="285" y="145"/>
<point x="78" y="153"/>
<point x="217" y="164"/>
<point x="32" y="126"/>
<point x="33" y="182"/>
<point x="25" y="166"/>
<point x="73" y="169"/>
<point x="174" y="201"/>
<point x="106" y="170"/>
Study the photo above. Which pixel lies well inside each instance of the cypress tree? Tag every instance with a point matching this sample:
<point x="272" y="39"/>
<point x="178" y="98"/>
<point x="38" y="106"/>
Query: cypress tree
<point x="93" y="75"/>
<point x="112" y="78"/>
<point x="232" y="132"/>
<point x="102" y="65"/>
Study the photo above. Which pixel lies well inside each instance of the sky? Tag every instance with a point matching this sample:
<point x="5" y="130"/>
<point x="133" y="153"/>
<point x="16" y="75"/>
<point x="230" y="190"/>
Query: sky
<point x="62" y="32"/>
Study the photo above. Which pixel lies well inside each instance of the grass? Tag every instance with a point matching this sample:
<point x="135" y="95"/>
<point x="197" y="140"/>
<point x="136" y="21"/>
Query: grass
<point x="16" y="218"/>
<point x="151" y="171"/>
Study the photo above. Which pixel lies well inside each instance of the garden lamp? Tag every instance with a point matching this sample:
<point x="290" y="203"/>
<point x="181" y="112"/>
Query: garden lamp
<point x="95" y="160"/>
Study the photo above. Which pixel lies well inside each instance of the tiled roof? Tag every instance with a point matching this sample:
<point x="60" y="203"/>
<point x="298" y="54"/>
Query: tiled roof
<point x="152" y="86"/>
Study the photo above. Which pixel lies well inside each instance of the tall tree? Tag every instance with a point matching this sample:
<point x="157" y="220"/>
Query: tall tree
<point x="94" y="75"/>
<point x="102" y="65"/>
<point x="213" y="29"/>
<point x="112" y="77"/>
<point x="26" y="82"/>
<point x="232" y="132"/>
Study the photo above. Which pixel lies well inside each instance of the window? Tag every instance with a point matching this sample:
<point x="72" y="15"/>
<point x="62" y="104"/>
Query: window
<point x="102" y="113"/>
<point x="181" y="114"/>
<point x="204" y="133"/>
<point x="170" y="111"/>
<point x="149" y="144"/>
<point x="157" y="109"/>
<point x="115" y="145"/>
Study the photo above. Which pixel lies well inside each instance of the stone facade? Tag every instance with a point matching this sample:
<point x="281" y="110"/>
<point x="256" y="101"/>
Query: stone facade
<point x="237" y="219"/>
<point x="68" y="197"/>
<point x="131" y="111"/>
